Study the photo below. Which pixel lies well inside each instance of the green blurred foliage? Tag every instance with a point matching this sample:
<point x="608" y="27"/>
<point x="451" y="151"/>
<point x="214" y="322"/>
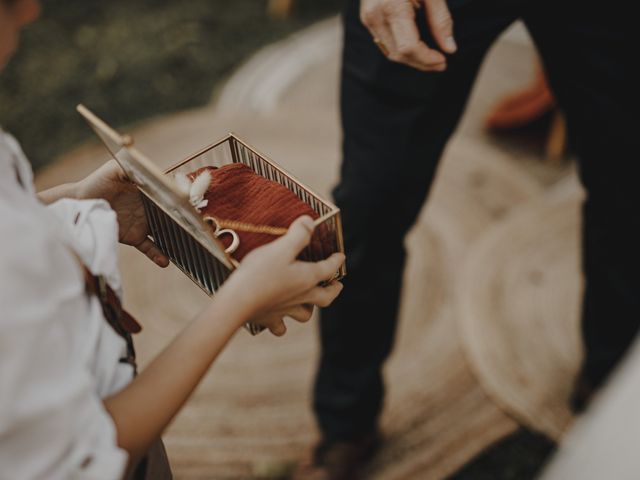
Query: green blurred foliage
<point x="129" y="60"/>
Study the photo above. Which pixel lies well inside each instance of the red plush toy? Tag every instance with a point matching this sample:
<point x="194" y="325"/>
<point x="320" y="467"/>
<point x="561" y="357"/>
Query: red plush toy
<point x="247" y="210"/>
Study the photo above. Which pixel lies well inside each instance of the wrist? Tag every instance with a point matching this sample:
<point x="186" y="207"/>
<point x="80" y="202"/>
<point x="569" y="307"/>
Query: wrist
<point x="80" y="190"/>
<point x="234" y="296"/>
<point x="75" y="191"/>
<point x="66" y="190"/>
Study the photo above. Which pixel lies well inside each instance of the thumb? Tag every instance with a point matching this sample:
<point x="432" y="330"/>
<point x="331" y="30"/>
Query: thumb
<point x="115" y="171"/>
<point x="297" y="237"/>
<point x="441" y="24"/>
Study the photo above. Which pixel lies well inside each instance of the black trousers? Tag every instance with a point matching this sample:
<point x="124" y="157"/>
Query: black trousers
<point x="397" y="121"/>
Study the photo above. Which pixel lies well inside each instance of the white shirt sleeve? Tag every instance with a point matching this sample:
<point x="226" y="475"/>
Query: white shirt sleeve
<point x="53" y="424"/>
<point x="92" y="228"/>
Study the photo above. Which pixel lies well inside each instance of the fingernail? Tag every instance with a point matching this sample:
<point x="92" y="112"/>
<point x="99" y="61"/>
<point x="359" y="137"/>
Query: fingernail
<point x="450" y="44"/>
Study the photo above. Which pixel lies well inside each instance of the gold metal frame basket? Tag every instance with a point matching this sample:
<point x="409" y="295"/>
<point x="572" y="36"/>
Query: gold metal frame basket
<point x="177" y="227"/>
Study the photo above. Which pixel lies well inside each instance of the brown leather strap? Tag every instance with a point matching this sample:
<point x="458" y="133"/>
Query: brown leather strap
<point x="118" y="317"/>
<point x="123" y="323"/>
<point x="155" y="465"/>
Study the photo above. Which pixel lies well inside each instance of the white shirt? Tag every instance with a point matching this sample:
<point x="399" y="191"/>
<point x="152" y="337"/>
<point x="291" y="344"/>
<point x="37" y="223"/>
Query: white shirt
<point x="58" y="356"/>
<point x="603" y="443"/>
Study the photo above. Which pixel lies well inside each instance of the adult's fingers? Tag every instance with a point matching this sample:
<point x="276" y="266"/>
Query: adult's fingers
<point x="374" y="19"/>
<point x="409" y="47"/>
<point x="383" y="37"/>
<point x="296" y="238"/>
<point x="441" y="24"/>
<point x="153" y="252"/>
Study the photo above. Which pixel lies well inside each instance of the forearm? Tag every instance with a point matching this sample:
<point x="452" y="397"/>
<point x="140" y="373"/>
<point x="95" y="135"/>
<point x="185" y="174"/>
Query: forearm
<point x="146" y="406"/>
<point x="66" y="190"/>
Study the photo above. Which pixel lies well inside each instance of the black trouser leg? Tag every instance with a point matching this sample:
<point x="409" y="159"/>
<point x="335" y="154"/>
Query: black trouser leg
<point x="586" y="50"/>
<point x="394" y="134"/>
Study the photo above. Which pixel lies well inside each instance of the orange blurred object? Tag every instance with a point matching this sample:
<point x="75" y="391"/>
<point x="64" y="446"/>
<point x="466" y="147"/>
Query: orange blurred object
<point x="279" y="8"/>
<point x="522" y="108"/>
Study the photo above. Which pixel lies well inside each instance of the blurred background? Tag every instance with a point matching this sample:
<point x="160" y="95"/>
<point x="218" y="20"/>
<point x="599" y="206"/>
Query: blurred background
<point x="488" y="340"/>
<point x="130" y="61"/>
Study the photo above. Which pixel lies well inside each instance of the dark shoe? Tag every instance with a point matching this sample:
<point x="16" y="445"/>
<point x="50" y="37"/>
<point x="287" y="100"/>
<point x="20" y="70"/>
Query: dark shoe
<point x="338" y="460"/>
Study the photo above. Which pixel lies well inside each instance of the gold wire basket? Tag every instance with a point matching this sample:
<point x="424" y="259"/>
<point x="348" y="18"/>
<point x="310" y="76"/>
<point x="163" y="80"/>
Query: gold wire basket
<point x="176" y="226"/>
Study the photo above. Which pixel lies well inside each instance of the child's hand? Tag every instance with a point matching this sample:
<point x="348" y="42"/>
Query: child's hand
<point x="271" y="284"/>
<point x="110" y="183"/>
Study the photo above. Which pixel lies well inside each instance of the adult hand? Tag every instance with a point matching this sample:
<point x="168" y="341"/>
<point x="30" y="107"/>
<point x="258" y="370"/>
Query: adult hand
<point x="110" y="183"/>
<point x="392" y="24"/>
<point x="271" y="283"/>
